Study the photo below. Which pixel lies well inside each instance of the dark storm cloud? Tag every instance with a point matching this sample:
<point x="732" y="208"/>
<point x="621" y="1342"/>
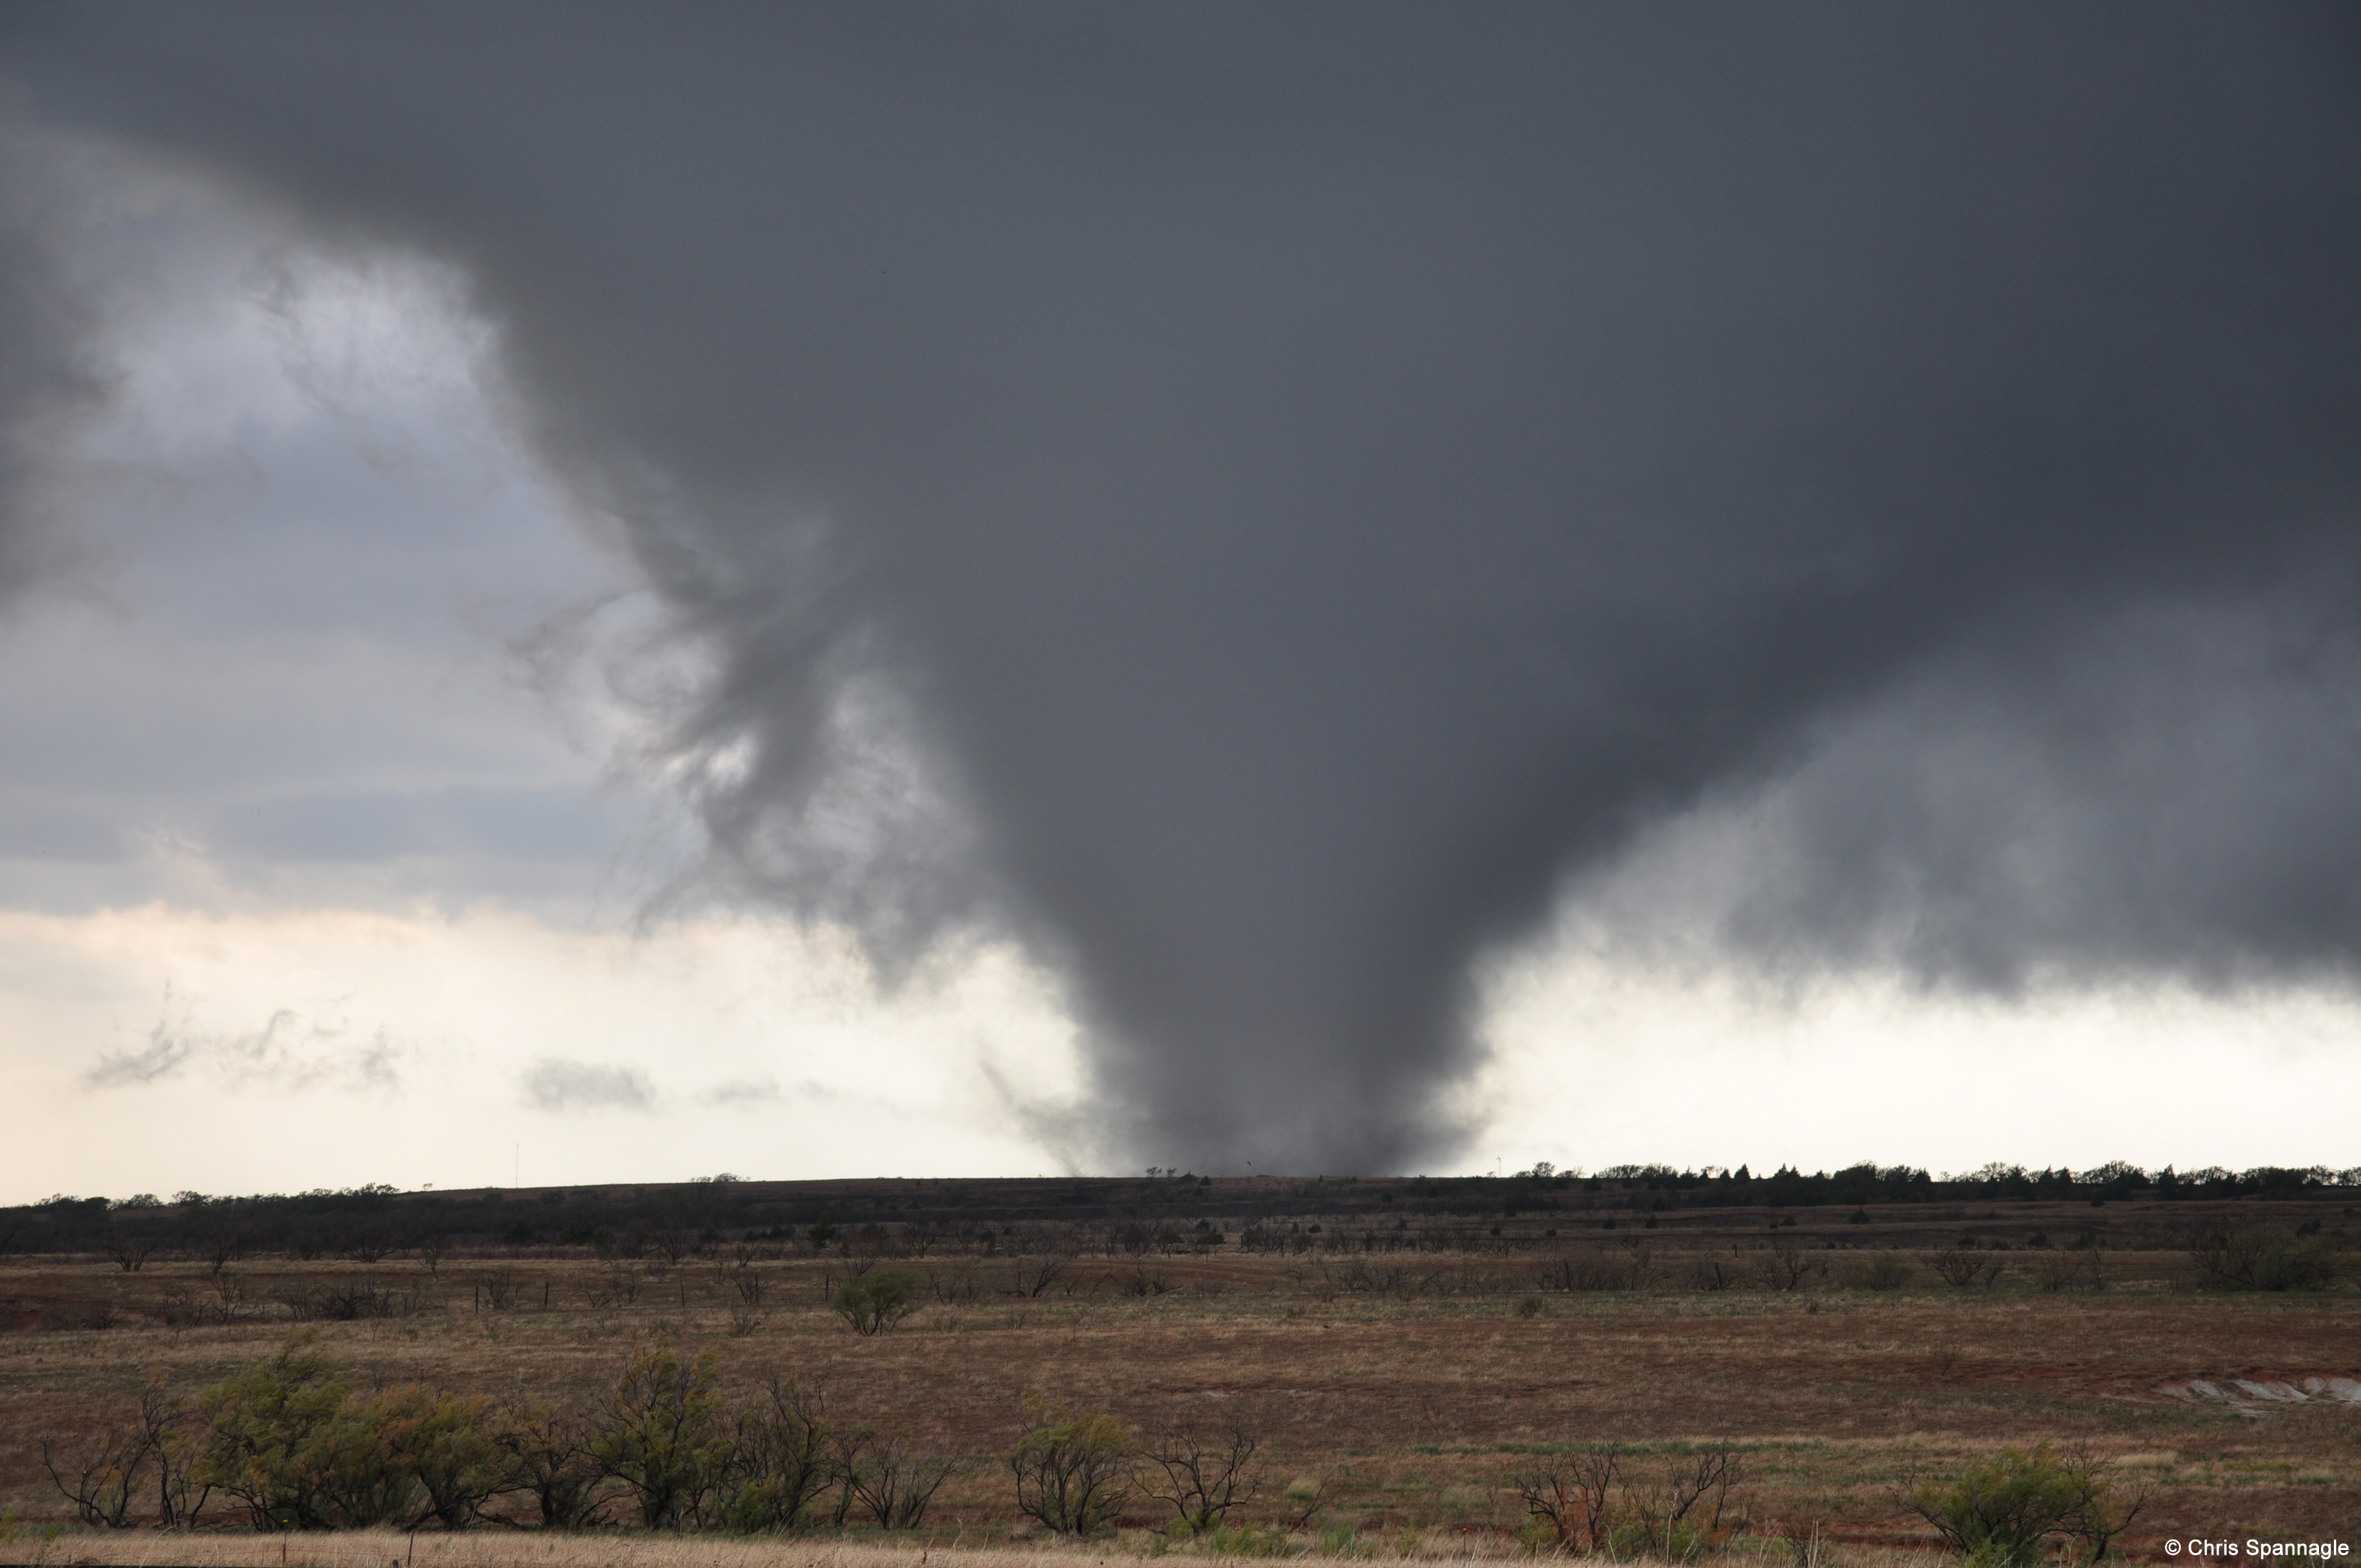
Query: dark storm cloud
<point x="2165" y="787"/>
<point x="1317" y="475"/>
<point x="47" y="383"/>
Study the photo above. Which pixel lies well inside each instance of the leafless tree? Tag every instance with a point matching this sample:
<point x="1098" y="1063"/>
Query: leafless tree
<point x="229" y="1297"/>
<point x="1569" y="1492"/>
<point x="129" y="1249"/>
<point x="2071" y="1268"/>
<point x="1694" y="1492"/>
<point x="782" y="1458"/>
<point x="1306" y="1500"/>
<point x="164" y="1421"/>
<point x="672" y="1240"/>
<point x="1786" y="1265"/>
<point x="1960" y="1268"/>
<point x="101" y="1472"/>
<point x="1032" y="1274"/>
<point x="369" y="1243"/>
<point x="1956" y="1268"/>
<point x="1714" y="1273"/>
<point x="496" y="1292"/>
<point x="952" y="1284"/>
<point x="617" y="1285"/>
<point x="98" y="1472"/>
<point x="885" y="1480"/>
<point x="1204" y="1468"/>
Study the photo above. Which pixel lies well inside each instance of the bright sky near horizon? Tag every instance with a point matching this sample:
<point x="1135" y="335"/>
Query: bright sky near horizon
<point x="347" y="833"/>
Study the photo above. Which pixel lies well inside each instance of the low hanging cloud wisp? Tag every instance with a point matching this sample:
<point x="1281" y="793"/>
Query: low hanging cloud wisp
<point x="1313" y="481"/>
<point x="290" y="1053"/>
<point x="557" y="1084"/>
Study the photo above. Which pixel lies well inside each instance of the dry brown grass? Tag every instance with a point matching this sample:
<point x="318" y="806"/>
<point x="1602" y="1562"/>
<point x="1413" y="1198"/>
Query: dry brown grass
<point x="389" y="1549"/>
<point x="1412" y="1404"/>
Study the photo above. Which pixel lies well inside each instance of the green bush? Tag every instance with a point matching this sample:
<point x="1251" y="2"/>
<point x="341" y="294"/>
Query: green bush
<point x="2004" y="1511"/>
<point x="286" y="1439"/>
<point x="2247" y="1258"/>
<point x="1073" y="1470"/>
<point x="1886" y="1271"/>
<point x="875" y="1301"/>
<point x="660" y="1434"/>
<point x="547" y="1451"/>
<point x="445" y="1442"/>
<point x="1248" y="1541"/>
<point x="1670" y="1540"/>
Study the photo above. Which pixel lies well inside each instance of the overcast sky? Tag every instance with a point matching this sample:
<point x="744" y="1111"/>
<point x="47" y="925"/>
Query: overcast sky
<point x="598" y="593"/>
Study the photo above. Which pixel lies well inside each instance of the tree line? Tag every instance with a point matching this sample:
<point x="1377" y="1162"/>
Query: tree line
<point x="1165" y="1212"/>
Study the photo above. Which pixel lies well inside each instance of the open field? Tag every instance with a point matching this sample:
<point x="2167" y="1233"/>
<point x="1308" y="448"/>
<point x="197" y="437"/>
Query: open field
<point x="479" y="1549"/>
<point x="1402" y="1386"/>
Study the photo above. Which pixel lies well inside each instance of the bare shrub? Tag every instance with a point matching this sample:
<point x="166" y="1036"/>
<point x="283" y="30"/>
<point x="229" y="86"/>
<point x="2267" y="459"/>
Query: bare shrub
<point x="1787" y="1266"/>
<point x="220" y="1242"/>
<point x="1681" y="1509"/>
<point x="1959" y="1267"/>
<point x="884" y="1479"/>
<point x="1204" y="1468"/>
<point x="1568" y="1494"/>
<point x="2075" y="1268"/>
<point x="1031" y="1275"/>
<point x="97" y="1472"/>
<point x="369" y="1244"/>
<point x="671" y="1240"/>
<point x="781" y="1459"/>
<point x="1597" y="1268"/>
<point x="346" y="1300"/>
<point x="617" y="1284"/>
<point x="1604" y="1497"/>
<point x="948" y="1285"/>
<point x="1712" y="1272"/>
<point x="129" y="1249"/>
<point x="228" y="1304"/>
